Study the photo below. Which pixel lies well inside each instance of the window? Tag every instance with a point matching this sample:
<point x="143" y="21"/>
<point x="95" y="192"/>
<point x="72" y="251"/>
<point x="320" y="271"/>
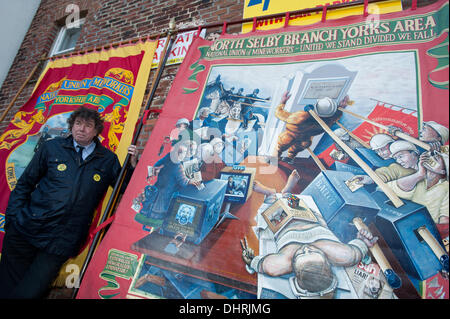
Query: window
<point x="66" y="39"/>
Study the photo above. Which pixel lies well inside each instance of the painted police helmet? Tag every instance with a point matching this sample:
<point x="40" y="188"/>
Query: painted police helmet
<point x="325" y="107"/>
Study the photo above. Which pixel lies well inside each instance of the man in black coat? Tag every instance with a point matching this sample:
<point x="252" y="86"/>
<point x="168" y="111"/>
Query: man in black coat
<point x="50" y="209"/>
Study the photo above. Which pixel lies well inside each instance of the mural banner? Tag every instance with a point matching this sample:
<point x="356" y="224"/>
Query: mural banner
<point x="298" y="163"/>
<point x="110" y="81"/>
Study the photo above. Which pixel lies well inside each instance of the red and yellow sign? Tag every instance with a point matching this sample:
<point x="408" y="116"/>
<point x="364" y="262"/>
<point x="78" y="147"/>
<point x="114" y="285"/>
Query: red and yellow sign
<point x="259" y="8"/>
<point x="112" y="82"/>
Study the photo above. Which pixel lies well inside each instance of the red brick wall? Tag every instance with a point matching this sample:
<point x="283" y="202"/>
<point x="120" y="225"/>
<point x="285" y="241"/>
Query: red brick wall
<point x="110" y="21"/>
<point x="38" y="41"/>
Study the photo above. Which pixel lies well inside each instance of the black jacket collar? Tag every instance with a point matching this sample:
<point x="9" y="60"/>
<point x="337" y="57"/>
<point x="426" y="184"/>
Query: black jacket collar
<point x="99" y="150"/>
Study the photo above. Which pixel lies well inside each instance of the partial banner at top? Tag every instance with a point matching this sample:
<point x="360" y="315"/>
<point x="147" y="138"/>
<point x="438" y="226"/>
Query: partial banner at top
<point x="260" y="8"/>
<point x="179" y="48"/>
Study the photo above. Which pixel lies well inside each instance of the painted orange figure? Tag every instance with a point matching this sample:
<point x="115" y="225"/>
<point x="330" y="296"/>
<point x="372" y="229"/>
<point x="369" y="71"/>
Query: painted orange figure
<point x="301" y="127"/>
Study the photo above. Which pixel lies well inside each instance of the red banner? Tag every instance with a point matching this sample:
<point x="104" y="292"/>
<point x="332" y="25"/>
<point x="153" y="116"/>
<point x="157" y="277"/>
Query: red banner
<point x="226" y="201"/>
<point x="110" y="81"/>
<point x="389" y="115"/>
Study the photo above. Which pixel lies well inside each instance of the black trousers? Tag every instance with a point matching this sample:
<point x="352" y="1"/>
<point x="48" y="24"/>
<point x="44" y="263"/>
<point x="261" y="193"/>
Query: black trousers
<point x="26" y="272"/>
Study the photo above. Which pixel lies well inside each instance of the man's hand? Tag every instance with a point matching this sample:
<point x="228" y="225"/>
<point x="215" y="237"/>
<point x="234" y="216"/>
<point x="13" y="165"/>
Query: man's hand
<point x="434" y="163"/>
<point x="345" y="101"/>
<point x="132" y="150"/>
<point x="285" y="97"/>
<point x="157" y="169"/>
<point x="247" y="253"/>
<point x="393" y="130"/>
<point x="366" y="236"/>
<point x="435" y="146"/>
<point x="195" y="182"/>
<point x="363" y="179"/>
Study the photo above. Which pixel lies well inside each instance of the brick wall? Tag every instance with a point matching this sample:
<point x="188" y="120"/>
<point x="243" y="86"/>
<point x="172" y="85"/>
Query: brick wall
<point x="110" y="21"/>
<point x="38" y="41"/>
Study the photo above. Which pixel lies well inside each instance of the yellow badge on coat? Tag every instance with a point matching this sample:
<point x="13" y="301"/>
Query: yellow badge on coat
<point x="61" y="167"/>
<point x="97" y="177"/>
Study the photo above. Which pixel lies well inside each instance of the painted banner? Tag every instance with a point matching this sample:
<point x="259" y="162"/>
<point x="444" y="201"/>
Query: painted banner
<point x="112" y="82"/>
<point x="261" y="8"/>
<point x="231" y="199"/>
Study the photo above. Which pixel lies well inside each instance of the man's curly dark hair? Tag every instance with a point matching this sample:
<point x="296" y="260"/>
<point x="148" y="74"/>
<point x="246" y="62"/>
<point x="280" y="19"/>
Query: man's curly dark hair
<point x="86" y="114"/>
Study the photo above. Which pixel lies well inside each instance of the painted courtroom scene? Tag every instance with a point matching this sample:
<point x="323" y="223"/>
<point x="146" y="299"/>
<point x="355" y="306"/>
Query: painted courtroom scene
<point x="307" y="160"/>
